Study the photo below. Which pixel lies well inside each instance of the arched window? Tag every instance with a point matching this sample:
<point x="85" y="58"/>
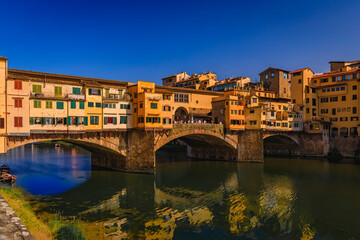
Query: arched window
<point x="334" y="131"/>
<point x="344" y="132"/>
<point x="353" y="131"/>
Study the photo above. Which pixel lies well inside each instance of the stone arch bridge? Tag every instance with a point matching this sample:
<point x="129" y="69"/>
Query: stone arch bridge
<point x="134" y="150"/>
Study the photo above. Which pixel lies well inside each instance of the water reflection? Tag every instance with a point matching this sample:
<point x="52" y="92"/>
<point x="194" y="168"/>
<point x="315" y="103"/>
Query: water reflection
<point x="281" y="199"/>
<point x="43" y="169"/>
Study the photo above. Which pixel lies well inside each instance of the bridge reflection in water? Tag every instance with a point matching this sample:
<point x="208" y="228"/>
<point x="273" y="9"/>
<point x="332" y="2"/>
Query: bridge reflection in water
<point x="213" y="200"/>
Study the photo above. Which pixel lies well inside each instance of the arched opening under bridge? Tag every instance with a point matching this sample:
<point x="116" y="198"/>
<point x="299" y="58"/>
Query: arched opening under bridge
<point x="280" y="145"/>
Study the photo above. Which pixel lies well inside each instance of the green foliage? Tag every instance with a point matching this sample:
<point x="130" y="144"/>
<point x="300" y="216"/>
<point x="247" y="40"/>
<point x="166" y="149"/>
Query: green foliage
<point x="70" y="232"/>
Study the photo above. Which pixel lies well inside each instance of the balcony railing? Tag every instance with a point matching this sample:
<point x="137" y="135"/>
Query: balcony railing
<point x="59" y="96"/>
<point x="116" y="97"/>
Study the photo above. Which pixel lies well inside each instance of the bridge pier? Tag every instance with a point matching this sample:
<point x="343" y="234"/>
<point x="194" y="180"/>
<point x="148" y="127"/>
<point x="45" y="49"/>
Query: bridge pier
<point x="250" y="146"/>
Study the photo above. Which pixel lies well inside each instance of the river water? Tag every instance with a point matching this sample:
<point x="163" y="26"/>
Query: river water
<point x="280" y="199"/>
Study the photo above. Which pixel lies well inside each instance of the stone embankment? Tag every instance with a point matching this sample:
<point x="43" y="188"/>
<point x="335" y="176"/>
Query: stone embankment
<point x="11" y="227"/>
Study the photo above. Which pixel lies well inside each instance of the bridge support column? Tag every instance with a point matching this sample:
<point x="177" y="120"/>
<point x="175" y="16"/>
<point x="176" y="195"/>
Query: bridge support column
<point x="140" y="155"/>
<point x="250" y="146"/>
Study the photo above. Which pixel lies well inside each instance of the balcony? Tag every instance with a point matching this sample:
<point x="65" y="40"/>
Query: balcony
<point x="75" y="97"/>
<point x="116" y="97"/>
<point x="57" y="96"/>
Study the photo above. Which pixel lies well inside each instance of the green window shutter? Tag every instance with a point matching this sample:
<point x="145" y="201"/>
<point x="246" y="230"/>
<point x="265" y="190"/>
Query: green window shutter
<point x="73" y="105"/>
<point x="76" y="90"/>
<point x="107" y="93"/>
<point x="77" y="121"/>
<point x="31" y="120"/>
<point x="115" y="121"/>
<point x="42" y="121"/>
<point x="81" y="105"/>
<point x="68" y="121"/>
<point x="105" y="120"/>
<point x="86" y="121"/>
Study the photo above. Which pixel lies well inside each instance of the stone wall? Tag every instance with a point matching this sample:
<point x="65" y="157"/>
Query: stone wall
<point x="347" y="146"/>
<point x="250" y="146"/>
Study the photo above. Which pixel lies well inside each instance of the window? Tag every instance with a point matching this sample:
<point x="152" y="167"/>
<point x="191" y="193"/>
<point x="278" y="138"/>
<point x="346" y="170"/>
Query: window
<point x="343" y="77"/>
<point x="36" y="88"/>
<point x="307" y="100"/>
<point x="333" y="99"/>
<point x="58" y="92"/>
<point x="76" y="90"/>
<point x="323" y="100"/>
<point x="18" y="102"/>
<point x="333" y="79"/>
<point x="324" y="80"/>
<point x="181" y="97"/>
<point x="314" y="101"/>
<point x="285" y="75"/>
<point x="140" y="105"/>
<point x="266" y="77"/>
<point x="254" y="100"/>
<point x="49" y="104"/>
<point x="73" y="105"/>
<point x="90" y="104"/>
<point x="314" y="111"/>
<point x="272" y="75"/>
<point x="252" y="110"/>
<point x="94" y="91"/>
<point x="81" y="105"/>
<point x="2" y="123"/>
<point x="135" y="110"/>
<point x="123" y="119"/>
<point x="299" y="81"/>
<point x="342" y="88"/>
<point x="141" y="120"/>
<point x="343" y="98"/>
<point x="354" y="76"/>
<point x="348" y="77"/>
<point x="338" y="78"/>
<point x="94" y="120"/>
<point x="98" y="105"/>
<point x="37" y="104"/>
<point x="18" y="121"/>
<point x="296" y="74"/>
<point x="354" y="97"/>
<point x="354" y="110"/>
<point x="313" y="90"/>
<point x="354" y="87"/>
<point x="18" y="85"/>
<point x="59" y="105"/>
<point x="124" y="106"/>
<point x="324" y="111"/>
<point x="333" y="111"/>
<point x="110" y="120"/>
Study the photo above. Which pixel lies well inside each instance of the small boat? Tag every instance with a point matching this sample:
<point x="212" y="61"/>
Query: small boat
<point x="57" y="145"/>
<point x="5" y="175"/>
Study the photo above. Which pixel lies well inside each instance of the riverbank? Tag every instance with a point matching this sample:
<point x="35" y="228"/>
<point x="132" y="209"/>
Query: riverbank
<point x="17" y="201"/>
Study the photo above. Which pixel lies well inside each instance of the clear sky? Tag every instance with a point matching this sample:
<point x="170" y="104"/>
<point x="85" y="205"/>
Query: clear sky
<point x="147" y="40"/>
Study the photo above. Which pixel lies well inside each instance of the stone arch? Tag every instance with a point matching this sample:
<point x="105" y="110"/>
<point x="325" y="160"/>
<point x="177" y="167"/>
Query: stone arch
<point x="281" y="145"/>
<point x="190" y="134"/>
<point x="181" y="114"/>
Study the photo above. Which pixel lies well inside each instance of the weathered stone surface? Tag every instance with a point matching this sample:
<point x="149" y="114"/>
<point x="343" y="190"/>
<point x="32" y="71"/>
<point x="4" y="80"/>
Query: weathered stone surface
<point x="348" y="146"/>
<point x="250" y="146"/>
<point x="11" y="226"/>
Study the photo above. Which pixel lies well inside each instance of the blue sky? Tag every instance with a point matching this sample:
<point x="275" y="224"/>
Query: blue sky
<point x="148" y="40"/>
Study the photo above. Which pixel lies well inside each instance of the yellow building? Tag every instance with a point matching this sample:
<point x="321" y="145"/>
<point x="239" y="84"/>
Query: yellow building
<point x="229" y="110"/>
<point x="336" y="100"/>
<point x="198" y="81"/>
<point x="93" y="107"/>
<point x="147" y="105"/>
